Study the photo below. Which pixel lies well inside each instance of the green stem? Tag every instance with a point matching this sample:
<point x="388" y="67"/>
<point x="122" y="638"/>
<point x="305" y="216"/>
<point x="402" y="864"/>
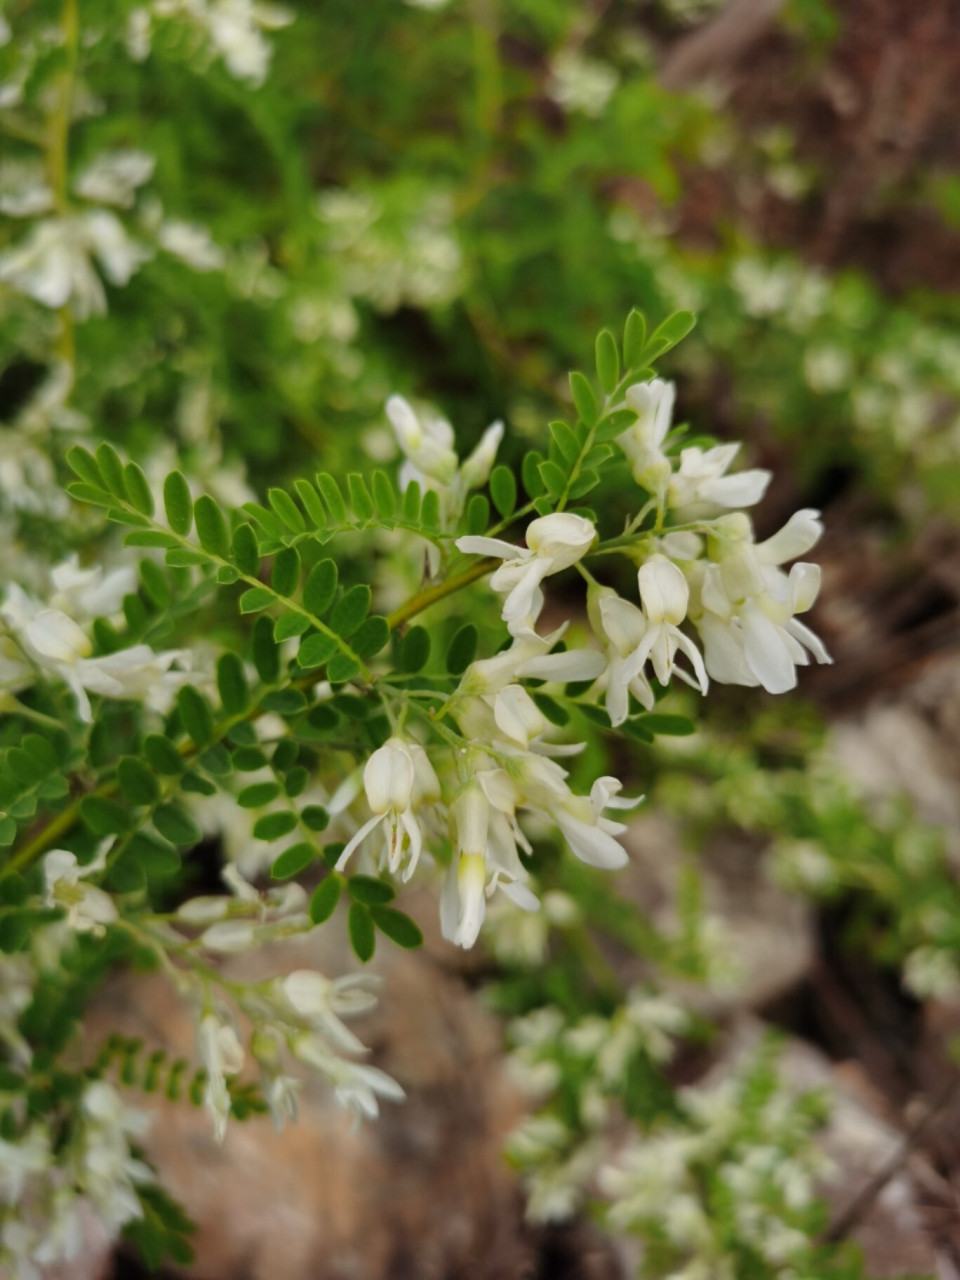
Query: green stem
<point x="430" y="595"/>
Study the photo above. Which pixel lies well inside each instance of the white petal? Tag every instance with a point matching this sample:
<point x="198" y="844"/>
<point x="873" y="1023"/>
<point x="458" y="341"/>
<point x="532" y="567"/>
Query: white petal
<point x="53" y="635"/>
<point x="388" y="777"/>
<point x="557" y="749"/>
<point x="450" y="903"/>
<point x="618" y="701"/>
<point x="475" y="545"/>
<point x="517" y="715"/>
<point x="471" y="883"/>
<point x="804" y="586"/>
<point x="520" y="895"/>
<point x="801" y="532"/>
<point x="808" y="638"/>
<point x="60" y="864"/>
<point x="744" y="489"/>
<point x="696" y="661"/>
<point x="405" y="424"/>
<point x="355" y="840"/>
<point x="471" y="813"/>
<point x="589" y="843"/>
<point x="415" y="838"/>
<point x="664" y="592"/>
<point x="519" y="604"/>
<point x="766" y="652"/>
<point x="570" y="665"/>
<point x="723" y="653"/>
<point x="623" y="623"/>
<point x="477" y="467"/>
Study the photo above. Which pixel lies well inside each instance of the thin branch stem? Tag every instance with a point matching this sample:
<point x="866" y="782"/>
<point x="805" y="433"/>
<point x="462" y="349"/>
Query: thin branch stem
<point x="439" y="591"/>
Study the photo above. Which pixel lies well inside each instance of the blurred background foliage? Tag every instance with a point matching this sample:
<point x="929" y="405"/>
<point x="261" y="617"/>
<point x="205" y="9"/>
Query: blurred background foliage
<point x="450" y="201"/>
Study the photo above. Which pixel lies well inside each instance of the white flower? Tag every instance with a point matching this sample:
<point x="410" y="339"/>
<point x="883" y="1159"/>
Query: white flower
<point x="701" y="483"/>
<point x="554" y="542"/>
<point x="529" y="658"/>
<point x="191" y="243"/>
<point x="234" y="25"/>
<point x="109" y="1173"/>
<point x="475" y="469"/>
<point x="486" y="858"/>
<point x="622" y="626"/>
<point x="222" y="1055"/>
<point x="283" y="1098"/>
<point x="541" y="785"/>
<point x="356" y="1086"/>
<point x="88" y="908"/>
<point x="747" y="604"/>
<point x="230" y="936"/>
<point x="89" y="593"/>
<point x="664" y="596"/>
<point x="582" y="84"/>
<point x="517" y="715"/>
<point x="114" y="177"/>
<point x="427" y="442"/>
<point x="54" y="264"/>
<point x="397" y="779"/>
<point x="137" y="36"/>
<point x="323" y="1002"/>
<point x="30" y="1155"/>
<point x="652" y="402"/>
<point x="23" y="190"/>
<point x="55" y="642"/>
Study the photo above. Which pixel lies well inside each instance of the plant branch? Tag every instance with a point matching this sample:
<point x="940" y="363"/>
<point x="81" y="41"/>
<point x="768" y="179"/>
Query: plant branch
<point x="430" y="595"/>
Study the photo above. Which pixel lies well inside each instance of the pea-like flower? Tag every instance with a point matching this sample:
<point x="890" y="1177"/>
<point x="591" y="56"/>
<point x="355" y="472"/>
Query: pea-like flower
<point x="89" y="909"/>
<point x="664" y="596"/>
<point x="554" y="542"/>
<point x="748" y="605"/>
<point x="222" y="1055"/>
<point x="486" y="857"/>
<point x="398" y="778"/>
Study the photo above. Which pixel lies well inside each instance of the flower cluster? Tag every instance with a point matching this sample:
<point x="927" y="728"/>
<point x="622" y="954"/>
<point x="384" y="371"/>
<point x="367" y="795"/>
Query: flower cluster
<point x="736" y="1176"/>
<point x="54" y="1178"/>
<point x="732" y="1173"/>
<point x="560" y="1150"/>
<point x="301" y="1014"/>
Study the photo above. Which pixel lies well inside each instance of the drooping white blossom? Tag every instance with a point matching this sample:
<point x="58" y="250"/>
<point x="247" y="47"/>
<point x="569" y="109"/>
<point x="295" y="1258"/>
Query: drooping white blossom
<point x="486" y="857"/>
<point x="56" y="644"/>
<point x="356" y="1086"/>
<point x="747" y="605"/>
<point x="621" y="626"/>
<point x="700" y="484"/>
<point x="664" y="596"/>
<point x="89" y="908"/>
<point x="642" y="441"/>
<point x="222" y="1055"/>
<point x="398" y="779"/>
<point x="54" y="264"/>
<point x="430" y="458"/>
<point x="114" y="177"/>
<point x="324" y="1002"/>
<point x="542" y="786"/>
<point x="554" y="542"/>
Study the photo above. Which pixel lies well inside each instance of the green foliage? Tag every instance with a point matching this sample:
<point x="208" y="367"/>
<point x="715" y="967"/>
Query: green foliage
<point x="402" y="265"/>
